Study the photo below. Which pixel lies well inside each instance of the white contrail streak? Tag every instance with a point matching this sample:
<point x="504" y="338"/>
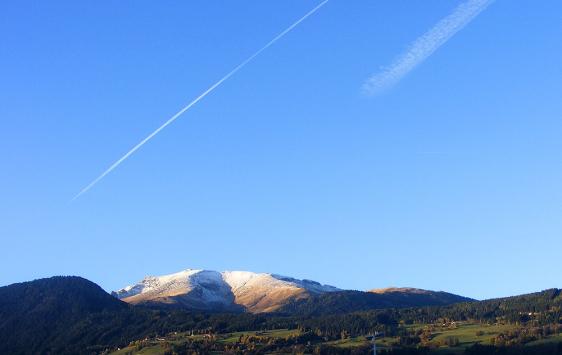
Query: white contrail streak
<point x="199" y="98"/>
<point x="425" y="45"/>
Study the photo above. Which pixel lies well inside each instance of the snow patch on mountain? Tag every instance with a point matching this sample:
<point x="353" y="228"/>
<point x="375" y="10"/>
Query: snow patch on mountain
<point x="256" y="292"/>
<point x="158" y="283"/>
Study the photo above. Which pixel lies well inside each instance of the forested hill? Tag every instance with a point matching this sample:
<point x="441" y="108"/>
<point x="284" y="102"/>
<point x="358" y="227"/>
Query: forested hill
<point x="71" y="315"/>
<point x="35" y="313"/>
<point x="540" y="308"/>
<point x="543" y="307"/>
<point x="356" y="301"/>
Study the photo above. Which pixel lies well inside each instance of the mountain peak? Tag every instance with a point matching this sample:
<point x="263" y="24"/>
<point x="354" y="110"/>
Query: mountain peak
<point x="227" y="290"/>
<point x="209" y="290"/>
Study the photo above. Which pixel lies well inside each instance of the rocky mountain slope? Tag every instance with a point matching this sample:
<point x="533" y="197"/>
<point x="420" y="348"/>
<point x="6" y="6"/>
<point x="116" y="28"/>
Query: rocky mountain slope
<point x="221" y="291"/>
<point x="263" y="292"/>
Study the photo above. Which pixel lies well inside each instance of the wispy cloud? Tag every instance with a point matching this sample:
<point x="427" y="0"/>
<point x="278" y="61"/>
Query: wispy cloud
<point x="425" y="45"/>
<point x="197" y="99"/>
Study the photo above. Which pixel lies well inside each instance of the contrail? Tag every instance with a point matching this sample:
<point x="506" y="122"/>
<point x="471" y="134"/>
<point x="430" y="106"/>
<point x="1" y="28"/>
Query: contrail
<point x="425" y="45"/>
<point x="198" y="98"/>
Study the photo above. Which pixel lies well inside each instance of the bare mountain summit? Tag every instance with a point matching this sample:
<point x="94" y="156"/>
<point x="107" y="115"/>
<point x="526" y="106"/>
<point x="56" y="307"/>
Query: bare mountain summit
<point x="243" y="291"/>
<point x="221" y="291"/>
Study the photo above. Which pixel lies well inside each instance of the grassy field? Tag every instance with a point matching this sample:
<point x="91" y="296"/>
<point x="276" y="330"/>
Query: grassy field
<point x="467" y="334"/>
<point x="151" y="350"/>
<point x="234" y="337"/>
<point x="362" y="341"/>
<point x="154" y="347"/>
<point x="554" y="338"/>
<point x="348" y="343"/>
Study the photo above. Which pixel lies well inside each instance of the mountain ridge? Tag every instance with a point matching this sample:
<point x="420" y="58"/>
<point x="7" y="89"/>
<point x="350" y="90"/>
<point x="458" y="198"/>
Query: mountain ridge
<point x="246" y="291"/>
<point x="224" y="291"/>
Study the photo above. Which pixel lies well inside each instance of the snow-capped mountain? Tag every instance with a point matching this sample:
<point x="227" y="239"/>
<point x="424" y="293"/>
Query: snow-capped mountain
<point x="228" y="290"/>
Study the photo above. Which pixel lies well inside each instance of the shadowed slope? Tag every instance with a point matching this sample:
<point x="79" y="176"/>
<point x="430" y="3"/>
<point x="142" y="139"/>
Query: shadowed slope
<point x="355" y="301"/>
<point x="33" y="314"/>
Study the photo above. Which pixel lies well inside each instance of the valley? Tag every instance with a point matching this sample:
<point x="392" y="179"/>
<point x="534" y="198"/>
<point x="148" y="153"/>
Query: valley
<point x="460" y="338"/>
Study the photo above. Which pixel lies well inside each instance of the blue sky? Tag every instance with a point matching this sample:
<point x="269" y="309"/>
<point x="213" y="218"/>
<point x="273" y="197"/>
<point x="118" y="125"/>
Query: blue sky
<point x="450" y="180"/>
